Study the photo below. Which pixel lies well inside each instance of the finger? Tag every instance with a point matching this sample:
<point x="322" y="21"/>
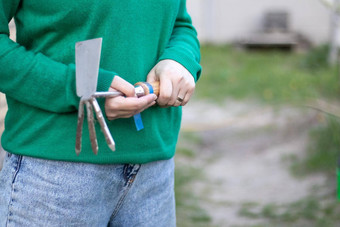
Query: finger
<point x="185" y="99"/>
<point x="127" y="113"/>
<point x="123" y="86"/>
<point x="165" y="94"/>
<point x="176" y="87"/>
<point x="180" y="98"/>
<point x="132" y="104"/>
<point x="122" y="107"/>
<point x="151" y="77"/>
<point x="188" y="96"/>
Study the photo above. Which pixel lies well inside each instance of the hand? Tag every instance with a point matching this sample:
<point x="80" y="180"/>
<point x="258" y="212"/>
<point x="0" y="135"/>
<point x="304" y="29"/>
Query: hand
<point x="125" y="107"/>
<point x="176" y="83"/>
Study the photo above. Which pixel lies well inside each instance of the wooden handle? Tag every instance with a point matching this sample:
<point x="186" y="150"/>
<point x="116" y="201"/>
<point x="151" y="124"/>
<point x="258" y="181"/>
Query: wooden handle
<point x="146" y="87"/>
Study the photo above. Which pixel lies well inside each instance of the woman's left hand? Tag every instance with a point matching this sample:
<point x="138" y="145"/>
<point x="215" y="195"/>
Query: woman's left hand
<point x="176" y="84"/>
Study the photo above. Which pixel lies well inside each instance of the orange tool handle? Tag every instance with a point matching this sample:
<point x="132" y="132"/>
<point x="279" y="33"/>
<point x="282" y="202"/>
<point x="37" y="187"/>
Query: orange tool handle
<point x="145" y="88"/>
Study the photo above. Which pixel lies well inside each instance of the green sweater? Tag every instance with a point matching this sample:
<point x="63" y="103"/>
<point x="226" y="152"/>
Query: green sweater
<point x="38" y="74"/>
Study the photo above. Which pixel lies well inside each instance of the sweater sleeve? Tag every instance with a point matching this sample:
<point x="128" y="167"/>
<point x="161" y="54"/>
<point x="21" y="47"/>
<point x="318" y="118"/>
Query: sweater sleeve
<point x="183" y="45"/>
<point x="33" y="78"/>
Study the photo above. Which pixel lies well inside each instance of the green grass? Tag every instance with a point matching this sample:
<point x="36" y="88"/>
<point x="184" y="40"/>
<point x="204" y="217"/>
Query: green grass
<point x="269" y="76"/>
<point x="311" y="211"/>
<point x="276" y="77"/>
<point x="323" y="150"/>
<point x="188" y="207"/>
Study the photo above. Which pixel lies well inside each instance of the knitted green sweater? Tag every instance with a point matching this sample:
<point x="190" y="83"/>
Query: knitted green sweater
<point x="38" y="74"/>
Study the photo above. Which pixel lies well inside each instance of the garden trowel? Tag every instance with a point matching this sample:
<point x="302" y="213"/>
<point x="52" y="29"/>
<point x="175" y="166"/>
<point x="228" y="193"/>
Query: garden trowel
<point x="87" y="68"/>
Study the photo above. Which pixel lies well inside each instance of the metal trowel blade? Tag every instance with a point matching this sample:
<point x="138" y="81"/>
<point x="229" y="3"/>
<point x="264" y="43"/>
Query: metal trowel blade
<point x="87" y="67"/>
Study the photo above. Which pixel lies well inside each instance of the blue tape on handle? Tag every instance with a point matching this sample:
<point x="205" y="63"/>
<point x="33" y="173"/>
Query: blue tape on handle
<point x="138" y="122"/>
<point x="138" y="117"/>
<point x="150" y="87"/>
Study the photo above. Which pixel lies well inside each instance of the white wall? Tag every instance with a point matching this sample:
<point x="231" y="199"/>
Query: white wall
<point x="226" y="20"/>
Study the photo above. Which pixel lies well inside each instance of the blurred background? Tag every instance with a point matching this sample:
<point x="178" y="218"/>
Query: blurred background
<point x="260" y="139"/>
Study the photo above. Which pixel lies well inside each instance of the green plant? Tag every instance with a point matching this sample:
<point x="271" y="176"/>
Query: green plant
<point x="270" y="76"/>
<point x="189" y="211"/>
<point x="312" y="211"/>
<point x="316" y="58"/>
<point x="323" y="151"/>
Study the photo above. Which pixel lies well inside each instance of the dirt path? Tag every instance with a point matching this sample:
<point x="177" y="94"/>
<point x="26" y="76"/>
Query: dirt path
<point x="241" y="148"/>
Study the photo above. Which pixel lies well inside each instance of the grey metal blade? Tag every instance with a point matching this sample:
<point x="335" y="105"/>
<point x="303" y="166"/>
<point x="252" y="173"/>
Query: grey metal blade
<point x="87" y="66"/>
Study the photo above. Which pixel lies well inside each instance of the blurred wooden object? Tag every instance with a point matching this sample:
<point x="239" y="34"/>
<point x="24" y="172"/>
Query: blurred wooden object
<point x="275" y="32"/>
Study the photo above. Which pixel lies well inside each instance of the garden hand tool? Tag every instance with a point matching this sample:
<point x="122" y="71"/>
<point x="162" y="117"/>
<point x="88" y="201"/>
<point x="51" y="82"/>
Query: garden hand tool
<point x="87" y="67"/>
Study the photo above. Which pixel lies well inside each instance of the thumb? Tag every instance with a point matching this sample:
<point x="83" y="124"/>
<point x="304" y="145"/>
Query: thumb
<point x="119" y="84"/>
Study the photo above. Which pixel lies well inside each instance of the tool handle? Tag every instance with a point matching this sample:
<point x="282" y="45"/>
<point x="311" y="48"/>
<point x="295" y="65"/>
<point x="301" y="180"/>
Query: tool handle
<point x="148" y="88"/>
<point x="141" y="89"/>
<point x="104" y="94"/>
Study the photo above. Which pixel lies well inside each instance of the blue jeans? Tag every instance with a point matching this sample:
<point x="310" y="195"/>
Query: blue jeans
<point x="36" y="192"/>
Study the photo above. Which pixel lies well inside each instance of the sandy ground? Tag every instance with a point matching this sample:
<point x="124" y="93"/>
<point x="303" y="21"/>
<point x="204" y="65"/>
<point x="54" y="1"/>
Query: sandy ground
<point x="241" y="150"/>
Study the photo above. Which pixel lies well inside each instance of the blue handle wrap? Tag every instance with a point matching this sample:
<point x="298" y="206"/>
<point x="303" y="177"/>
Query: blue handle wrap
<point x="150" y="87"/>
<point x="138" y="122"/>
<point x="138" y="117"/>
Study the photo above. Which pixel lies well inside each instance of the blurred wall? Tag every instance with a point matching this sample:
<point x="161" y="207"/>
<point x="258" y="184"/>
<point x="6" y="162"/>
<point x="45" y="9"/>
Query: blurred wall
<point x="224" y="21"/>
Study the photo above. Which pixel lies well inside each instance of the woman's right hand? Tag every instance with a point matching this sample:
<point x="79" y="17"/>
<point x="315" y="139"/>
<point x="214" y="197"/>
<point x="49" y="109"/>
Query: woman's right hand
<point x="128" y="105"/>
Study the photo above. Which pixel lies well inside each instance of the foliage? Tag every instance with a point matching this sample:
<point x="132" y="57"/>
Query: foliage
<point x="311" y="211"/>
<point x="268" y="76"/>
<point x="316" y="58"/>
<point x="189" y="212"/>
<point x="323" y="151"/>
